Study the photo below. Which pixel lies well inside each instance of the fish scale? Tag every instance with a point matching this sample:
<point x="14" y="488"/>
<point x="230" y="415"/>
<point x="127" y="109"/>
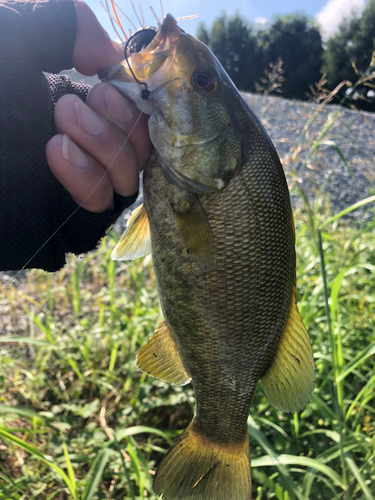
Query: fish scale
<point x="234" y="315"/>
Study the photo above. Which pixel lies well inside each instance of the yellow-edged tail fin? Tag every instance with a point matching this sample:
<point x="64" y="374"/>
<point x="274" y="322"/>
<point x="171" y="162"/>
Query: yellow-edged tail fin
<point x="136" y="240"/>
<point x="161" y="359"/>
<point x="196" y="468"/>
<point x="289" y="381"/>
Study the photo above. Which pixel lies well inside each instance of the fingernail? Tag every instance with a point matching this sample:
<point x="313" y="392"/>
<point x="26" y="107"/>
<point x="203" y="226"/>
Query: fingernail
<point x="118" y="108"/>
<point x="88" y="121"/>
<point x="72" y="153"/>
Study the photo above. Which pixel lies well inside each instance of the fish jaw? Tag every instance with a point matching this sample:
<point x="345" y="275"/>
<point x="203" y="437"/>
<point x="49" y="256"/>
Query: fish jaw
<point x="120" y="77"/>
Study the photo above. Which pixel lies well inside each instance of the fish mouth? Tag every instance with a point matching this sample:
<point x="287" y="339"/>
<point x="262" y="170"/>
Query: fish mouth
<point x="166" y="37"/>
<point x="146" y="51"/>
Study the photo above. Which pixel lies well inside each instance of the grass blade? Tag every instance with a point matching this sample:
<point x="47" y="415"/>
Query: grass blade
<point x="75" y="368"/>
<point x="356" y="361"/>
<point x="305" y="461"/>
<point x="361" y="482"/>
<point x="37" y="454"/>
<point x="359" y="204"/>
<point x="70" y="469"/>
<point x="141" y="429"/>
<point x="27" y="340"/>
<point x="95" y="474"/>
<point x="256" y="434"/>
<point x="333" y="145"/>
<point x="24" y="412"/>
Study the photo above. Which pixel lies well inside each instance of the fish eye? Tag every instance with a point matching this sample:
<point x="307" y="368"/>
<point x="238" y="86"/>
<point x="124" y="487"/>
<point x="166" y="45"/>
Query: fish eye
<point x="140" y="40"/>
<point x="204" y="80"/>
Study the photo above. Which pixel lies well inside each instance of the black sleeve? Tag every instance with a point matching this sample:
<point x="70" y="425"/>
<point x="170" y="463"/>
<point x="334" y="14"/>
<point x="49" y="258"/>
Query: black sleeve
<point x="37" y="36"/>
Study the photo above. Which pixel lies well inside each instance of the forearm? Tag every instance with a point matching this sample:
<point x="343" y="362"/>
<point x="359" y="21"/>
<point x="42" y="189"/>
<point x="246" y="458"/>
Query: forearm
<point x="48" y="27"/>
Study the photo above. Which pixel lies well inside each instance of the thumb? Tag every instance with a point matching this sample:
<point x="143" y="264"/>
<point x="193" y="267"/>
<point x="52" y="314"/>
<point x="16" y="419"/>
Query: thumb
<point x="93" y="48"/>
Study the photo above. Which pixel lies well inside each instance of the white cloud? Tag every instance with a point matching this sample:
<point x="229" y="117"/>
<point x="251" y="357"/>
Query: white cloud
<point x="261" y="20"/>
<point x="333" y="13"/>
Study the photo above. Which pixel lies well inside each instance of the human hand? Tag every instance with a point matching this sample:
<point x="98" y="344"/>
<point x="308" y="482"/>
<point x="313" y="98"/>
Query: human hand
<point x="92" y="134"/>
<point x="93" y="48"/>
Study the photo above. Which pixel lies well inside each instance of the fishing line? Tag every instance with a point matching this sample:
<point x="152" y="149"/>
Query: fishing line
<point x="78" y="207"/>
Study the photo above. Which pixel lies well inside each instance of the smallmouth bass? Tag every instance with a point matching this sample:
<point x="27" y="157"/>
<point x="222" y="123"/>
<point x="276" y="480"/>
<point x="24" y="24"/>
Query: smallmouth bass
<point x="218" y="221"/>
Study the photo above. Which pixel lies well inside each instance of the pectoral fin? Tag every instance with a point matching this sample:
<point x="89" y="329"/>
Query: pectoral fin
<point x="136" y="241"/>
<point x="197" y="235"/>
<point x="289" y="381"/>
<point x="161" y="359"/>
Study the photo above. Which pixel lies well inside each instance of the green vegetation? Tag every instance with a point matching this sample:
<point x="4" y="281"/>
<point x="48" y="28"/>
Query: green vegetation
<point x="246" y="52"/>
<point x="297" y="42"/>
<point x="76" y="414"/>
<point x="349" y="51"/>
<point x="235" y="45"/>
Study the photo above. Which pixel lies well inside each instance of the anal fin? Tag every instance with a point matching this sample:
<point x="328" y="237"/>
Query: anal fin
<point x="136" y="240"/>
<point x="289" y="381"/>
<point x="161" y="359"/>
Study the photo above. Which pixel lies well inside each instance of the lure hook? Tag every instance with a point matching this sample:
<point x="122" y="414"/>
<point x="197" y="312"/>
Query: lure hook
<point x="145" y="94"/>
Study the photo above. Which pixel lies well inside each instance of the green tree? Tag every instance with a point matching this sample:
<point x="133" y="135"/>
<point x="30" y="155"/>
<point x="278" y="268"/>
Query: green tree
<point x="202" y="34"/>
<point x="295" y="40"/>
<point x="353" y="44"/>
<point x="235" y="46"/>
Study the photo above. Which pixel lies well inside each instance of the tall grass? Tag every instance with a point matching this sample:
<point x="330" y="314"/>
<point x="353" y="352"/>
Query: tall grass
<point x="79" y="421"/>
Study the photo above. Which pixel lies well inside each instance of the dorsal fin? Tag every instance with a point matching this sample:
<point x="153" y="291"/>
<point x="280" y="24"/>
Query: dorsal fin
<point x="136" y="240"/>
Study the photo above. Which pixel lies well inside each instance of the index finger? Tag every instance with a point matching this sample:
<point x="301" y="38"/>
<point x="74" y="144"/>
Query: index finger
<point x="106" y="101"/>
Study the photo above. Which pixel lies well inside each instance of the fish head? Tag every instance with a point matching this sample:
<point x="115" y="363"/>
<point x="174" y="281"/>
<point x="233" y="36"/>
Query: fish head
<point x="179" y="82"/>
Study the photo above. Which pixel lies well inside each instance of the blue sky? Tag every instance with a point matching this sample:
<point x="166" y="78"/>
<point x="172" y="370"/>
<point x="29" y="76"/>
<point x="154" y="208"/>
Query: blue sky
<point x="327" y="12"/>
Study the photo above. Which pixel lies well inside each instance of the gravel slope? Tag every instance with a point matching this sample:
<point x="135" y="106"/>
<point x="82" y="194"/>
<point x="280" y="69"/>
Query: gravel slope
<point x="353" y="133"/>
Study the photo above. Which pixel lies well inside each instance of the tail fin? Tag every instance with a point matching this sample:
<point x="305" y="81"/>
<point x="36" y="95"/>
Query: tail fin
<point x="196" y="468"/>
